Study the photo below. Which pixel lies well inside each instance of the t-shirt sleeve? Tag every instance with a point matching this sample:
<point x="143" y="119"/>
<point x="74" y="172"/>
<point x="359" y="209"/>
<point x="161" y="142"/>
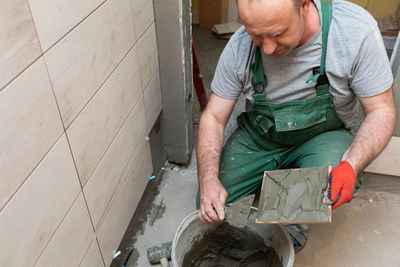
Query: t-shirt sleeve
<point x="371" y="72"/>
<point x="226" y="82"/>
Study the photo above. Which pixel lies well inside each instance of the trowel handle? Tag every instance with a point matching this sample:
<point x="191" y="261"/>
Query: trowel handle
<point x="164" y="262"/>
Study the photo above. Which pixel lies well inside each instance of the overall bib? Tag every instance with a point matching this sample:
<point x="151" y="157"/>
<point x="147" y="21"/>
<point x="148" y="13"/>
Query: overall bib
<point x="294" y="134"/>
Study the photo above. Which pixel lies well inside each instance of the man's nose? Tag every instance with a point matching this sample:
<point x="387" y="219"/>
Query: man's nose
<point x="269" y="46"/>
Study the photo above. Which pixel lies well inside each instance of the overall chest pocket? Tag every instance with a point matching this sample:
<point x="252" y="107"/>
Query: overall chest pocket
<point x="297" y="127"/>
<point x="293" y="121"/>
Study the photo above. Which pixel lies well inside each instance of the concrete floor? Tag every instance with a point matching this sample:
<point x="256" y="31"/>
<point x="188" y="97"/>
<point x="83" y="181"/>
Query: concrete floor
<point x="362" y="233"/>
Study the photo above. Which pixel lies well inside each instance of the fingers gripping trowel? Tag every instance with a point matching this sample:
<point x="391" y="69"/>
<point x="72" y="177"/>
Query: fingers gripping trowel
<point x="236" y="214"/>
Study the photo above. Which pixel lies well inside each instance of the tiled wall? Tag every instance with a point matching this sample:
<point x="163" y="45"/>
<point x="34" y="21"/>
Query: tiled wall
<point x="79" y="93"/>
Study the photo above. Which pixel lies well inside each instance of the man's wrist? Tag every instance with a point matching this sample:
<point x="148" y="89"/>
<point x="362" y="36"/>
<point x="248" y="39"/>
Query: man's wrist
<point x="207" y="178"/>
<point x="352" y="163"/>
<point x="348" y="167"/>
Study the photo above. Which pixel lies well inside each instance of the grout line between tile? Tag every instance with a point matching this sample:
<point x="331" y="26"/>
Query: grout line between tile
<point x="64" y="129"/>
<point x="79" y="180"/>
<point x="83" y="193"/>
<point x="113" y="139"/>
<point x="42" y="54"/>
<point x="55" y="231"/>
<point x="94" y="242"/>
<point x="153" y="76"/>
<point x="54" y="95"/>
<point x="64" y="132"/>
<point x="91" y="100"/>
<point x="63" y="125"/>
<point x="158" y="62"/>
<point x="69" y="146"/>
<point x="101" y="85"/>
<point x="30" y="173"/>
<point x="119" y="186"/>
<point x="133" y="20"/>
<point x="87" y="251"/>
<point x="101" y="252"/>
<point x="73" y="27"/>
<point x="17" y="189"/>
<point x="148" y="27"/>
<point x="70" y="150"/>
<point x="19" y="73"/>
<point x="34" y="25"/>
<point x="35" y="59"/>
<point x="122" y="178"/>
<point x="144" y="101"/>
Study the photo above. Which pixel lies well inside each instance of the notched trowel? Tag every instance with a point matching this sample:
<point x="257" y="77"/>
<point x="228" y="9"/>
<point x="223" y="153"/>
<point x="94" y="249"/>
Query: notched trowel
<point x="236" y="214"/>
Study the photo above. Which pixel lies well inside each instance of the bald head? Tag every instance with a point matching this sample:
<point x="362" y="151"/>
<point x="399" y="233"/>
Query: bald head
<point x="296" y="3"/>
<point x="279" y="26"/>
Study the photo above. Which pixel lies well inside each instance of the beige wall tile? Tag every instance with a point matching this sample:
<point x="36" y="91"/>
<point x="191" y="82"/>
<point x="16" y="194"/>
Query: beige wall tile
<point x="96" y="126"/>
<point x="143" y="15"/>
<point x="110" y="171"/>
<point x="32" y="216"/>
<point x="139" y="4"/>
<point x="113" y="227"/>
<point x="92" y="257"/>
<point x="30" y="126"/>
<point x="82" y="60"/>
<point x="152" y="101"/>
<point x="72" y="239"/>
<point x="19" y="45"/>
<point x="148" y="57"/>
<point x="54" y="18"/>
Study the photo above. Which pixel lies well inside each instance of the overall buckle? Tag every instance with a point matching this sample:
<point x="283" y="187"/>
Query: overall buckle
<point x="259" y="87"/>
<point x="322" y="78"/>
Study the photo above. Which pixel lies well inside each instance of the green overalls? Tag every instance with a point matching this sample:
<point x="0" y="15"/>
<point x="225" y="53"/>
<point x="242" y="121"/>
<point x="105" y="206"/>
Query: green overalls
<point x="294" y="134"/>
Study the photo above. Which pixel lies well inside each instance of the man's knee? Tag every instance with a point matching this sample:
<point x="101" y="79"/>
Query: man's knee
<point x="324" y="149"/>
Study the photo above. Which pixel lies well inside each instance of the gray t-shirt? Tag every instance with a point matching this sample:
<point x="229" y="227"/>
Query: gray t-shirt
<point x="356" y="64"/>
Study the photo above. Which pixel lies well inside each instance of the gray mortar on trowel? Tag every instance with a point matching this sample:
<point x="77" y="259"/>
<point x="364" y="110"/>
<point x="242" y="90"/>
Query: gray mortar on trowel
<point x="294" y="195"/>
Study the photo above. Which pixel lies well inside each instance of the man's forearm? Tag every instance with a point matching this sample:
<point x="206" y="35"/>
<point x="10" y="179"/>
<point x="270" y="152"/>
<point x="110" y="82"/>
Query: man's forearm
<point x="209" y="146"/>
<point x="372" y="137"/>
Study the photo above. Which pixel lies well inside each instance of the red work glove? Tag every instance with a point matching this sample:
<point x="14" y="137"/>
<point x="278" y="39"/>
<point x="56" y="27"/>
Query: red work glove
<point x="342" y="180"/>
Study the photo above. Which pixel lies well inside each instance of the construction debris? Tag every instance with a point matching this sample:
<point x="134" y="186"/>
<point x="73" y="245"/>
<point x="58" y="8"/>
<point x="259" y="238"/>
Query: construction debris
<point x="226" y="30"/>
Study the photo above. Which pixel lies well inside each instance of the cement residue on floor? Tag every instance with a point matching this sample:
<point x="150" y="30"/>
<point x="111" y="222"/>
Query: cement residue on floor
<point x="174" y="199"/>
<point x="156" y="212"/>
<point x="228" y="246"/>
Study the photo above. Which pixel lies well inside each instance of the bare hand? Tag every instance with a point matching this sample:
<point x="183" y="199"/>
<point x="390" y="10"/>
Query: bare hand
<point x="212" y="201"/>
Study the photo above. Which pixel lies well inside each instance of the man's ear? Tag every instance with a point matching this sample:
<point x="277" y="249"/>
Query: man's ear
<point x="305" y="7"/>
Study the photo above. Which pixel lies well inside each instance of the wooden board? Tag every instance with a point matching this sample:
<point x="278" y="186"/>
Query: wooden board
<point x="226" y="28"/>
<point x="388" y="161"/>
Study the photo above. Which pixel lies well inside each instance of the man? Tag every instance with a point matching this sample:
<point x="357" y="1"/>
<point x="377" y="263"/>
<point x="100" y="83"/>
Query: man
<point x="304" y="91"/>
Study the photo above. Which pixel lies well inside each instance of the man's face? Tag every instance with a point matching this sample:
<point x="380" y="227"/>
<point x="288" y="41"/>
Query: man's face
<point x="275" y="25"/>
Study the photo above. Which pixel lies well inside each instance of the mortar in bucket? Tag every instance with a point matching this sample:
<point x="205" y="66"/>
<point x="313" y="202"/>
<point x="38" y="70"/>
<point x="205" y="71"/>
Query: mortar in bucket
<point x="191" y="231"/>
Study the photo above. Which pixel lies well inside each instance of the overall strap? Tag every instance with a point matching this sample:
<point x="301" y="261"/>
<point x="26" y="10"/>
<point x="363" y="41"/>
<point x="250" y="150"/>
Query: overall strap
<point x="326" y="7"/>
<point x="319" y="73"/>
<point x="259" y="79"/>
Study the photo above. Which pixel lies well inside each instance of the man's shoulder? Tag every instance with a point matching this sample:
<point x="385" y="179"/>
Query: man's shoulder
<point x="240" y="35"/>
<point x="240" y="42"/>
<point x="353" y="17"/>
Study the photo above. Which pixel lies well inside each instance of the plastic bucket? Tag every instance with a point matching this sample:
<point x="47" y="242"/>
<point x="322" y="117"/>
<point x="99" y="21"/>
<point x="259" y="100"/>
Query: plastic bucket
<point x="192" y="229"/>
